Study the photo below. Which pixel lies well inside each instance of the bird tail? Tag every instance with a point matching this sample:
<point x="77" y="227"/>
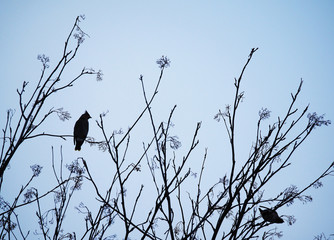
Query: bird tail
<point x="77" y="148"/>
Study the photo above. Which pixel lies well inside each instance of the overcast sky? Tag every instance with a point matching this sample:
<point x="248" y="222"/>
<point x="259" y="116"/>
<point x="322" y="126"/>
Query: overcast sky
<point x="208" y="43"/>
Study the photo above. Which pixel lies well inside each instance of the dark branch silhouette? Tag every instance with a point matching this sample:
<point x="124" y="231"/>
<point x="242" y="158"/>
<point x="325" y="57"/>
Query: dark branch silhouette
<point x="32" y="113"/>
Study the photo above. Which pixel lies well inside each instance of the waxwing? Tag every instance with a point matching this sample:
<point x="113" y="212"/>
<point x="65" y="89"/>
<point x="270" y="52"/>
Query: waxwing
<point x="270" y="215"/>
<point x="81" y="130"/>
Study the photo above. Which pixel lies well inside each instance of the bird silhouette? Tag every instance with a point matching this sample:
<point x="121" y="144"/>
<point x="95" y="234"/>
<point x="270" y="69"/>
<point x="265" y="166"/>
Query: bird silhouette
<point x="270" y="215"/>
<point x="81" y="130"/>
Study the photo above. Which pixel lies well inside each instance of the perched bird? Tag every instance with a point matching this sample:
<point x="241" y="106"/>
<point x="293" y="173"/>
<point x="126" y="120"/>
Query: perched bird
<point x="270" y="215"/>
<point x="81" y="130"/>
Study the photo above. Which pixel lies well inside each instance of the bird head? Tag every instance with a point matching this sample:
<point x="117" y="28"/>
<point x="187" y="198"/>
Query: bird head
<point x="86" y="115"/>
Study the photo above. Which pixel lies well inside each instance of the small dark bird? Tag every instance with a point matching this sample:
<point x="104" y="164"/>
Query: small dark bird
<point x="81" y="130"/>
<point x="270" y="215"/>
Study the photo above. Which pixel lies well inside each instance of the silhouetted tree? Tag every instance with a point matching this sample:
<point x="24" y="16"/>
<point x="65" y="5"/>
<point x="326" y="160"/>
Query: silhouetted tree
<point x="322" y="236"/>
<point x="229" y="209"/>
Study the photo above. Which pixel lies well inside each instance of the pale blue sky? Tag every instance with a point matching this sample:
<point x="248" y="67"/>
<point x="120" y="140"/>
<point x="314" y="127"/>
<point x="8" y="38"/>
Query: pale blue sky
<point x="208" y="42"/>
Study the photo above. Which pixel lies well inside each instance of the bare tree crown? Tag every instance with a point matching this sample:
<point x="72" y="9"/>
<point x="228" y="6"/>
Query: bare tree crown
<point x="228" y="209"/>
